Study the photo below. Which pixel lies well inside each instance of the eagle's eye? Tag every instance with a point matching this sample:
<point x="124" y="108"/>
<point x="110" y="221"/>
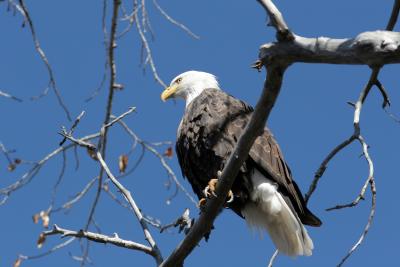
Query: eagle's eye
<point x="178" y="80"/>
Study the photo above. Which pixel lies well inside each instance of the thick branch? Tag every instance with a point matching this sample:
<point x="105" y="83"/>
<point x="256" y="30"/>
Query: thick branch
<point x="276" y="20"/>
<point x="115" y="240"/>
<point x="375" y="48"/>
<point x="394" y="16"/>
<point x="253" y="129"/>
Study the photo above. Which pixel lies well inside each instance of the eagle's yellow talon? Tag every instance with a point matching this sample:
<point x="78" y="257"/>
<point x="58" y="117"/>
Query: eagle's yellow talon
<point x="202" y="203"/>
<point x="231" y="197"/>
<point x="210" y="190"/>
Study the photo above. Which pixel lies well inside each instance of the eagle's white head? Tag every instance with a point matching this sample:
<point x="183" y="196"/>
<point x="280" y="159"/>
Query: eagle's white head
<point x="189" y="85"/>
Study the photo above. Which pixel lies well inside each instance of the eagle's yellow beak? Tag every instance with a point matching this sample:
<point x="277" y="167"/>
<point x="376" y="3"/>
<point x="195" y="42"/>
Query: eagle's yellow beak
<point x="169" y="92"/>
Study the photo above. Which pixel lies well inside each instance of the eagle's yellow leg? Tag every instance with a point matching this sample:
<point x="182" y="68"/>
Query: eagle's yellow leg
<point x="210" y="190"/>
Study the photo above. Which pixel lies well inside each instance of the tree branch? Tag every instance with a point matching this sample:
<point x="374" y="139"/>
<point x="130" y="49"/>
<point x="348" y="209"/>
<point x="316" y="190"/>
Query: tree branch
<point x="128" y="196"/>
<point x="394" y="16"/>
<point x="371" y="181"/>
<point x="374" y="48"/>
<point x="52" y="82"/>
<point x="102" y="144"/>
<point x="173" y="21"/>
<point x="276" y="20"/>
<point x="100" y="238"/>
<point x="7" y="95"/>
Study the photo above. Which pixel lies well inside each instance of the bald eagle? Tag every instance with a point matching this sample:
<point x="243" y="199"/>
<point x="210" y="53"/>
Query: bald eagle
<point x="264" y="193"/>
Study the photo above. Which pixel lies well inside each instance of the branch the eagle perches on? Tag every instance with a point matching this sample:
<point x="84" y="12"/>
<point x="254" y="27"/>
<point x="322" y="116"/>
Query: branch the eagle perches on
<point x="374" y="49"/>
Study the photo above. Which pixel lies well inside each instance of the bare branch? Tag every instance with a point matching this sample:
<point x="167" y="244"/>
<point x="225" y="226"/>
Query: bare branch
<point x="161" y="158"/>
<point x="6" y="154"/>
<point x="53" y="249"/>
<point x="371" y="181"/>
<point x="115" y="240"/>
<point x="58" y="182"/>
<point x="128" y="196"/>
<point x="78" y="196"/>
<point x="173" y="21"/>
<point x="102" y="144"/>
<point x="31" y="173"/>
<point x="273" y="257"/>
<point x="79" y="142"/>
<point x="42" y="55"/>
<point x="104" y="27"/>
<point x="321" y="170"/>
<point x="276" y="20"/>
<point x="71" y="131"/>
<point x="120" y="117"/>
<point x="149" y="59"/>
<point x="385" y="95"/>
<point x="375" y="48"/>
<point x="6" y="95"/>
<point x="393" y="17"/>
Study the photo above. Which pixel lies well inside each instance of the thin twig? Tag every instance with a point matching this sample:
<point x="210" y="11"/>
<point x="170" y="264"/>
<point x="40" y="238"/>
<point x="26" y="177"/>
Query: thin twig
<point x="173" y="21"/>
<point x="385" y="95"/>
<point x="148" y="51"/>
<point x="104" y="78"/>
<point x="373" y="201"/>
<point x="273" y="257"/>
<point x="76" y="122"/>
<point x="321" y="170"/>
<point x="6" y="154"/>
<point x="100" y="238"/>
<point x="131" y="19"/>
<point x="31" y="173"/>
<point x="120" y="117"/>
<point x="42" y="55"/>
<point x="79" y="142"/>
<point x="161" y="158"/>
<point x="6" y="95"/>
<point x="76" y="198"/>
<point x="128" y="196"/>
<point x="58" y="182"/>
<point x="53" y="249"/>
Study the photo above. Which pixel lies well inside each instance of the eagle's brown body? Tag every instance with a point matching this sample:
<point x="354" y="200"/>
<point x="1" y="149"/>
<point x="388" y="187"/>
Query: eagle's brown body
<point x="207" y="135"/>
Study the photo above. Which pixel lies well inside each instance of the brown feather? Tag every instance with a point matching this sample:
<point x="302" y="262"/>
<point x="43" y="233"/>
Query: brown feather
<point x="208" y="133"/>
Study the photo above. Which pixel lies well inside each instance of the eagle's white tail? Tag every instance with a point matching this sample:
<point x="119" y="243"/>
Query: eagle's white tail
<point x="268" y="210"/>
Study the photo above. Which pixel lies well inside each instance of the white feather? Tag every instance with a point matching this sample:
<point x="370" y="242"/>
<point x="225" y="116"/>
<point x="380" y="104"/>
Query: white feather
<point x="269" y="211"/>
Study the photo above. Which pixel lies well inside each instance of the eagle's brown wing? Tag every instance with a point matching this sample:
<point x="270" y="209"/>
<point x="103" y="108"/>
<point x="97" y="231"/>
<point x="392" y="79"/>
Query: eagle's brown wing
<point x="207" y="135"/>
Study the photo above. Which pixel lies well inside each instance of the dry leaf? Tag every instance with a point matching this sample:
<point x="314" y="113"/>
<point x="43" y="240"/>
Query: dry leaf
<point x="17" y="262"/>
<point x="41" y="240"/>
<point x="45" y="218"/>
<point x="17" y="161"/>
<point x="11" y="167"/>
<point x="105" y="187"/>
<point x="169" y="152"/>
<point x="92" y="153"/>
<point x="35" y="218"/>
<point x="123" y="163"/>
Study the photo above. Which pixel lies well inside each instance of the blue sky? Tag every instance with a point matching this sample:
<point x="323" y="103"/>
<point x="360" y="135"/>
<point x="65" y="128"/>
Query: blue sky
<point x="310" y="117"/>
